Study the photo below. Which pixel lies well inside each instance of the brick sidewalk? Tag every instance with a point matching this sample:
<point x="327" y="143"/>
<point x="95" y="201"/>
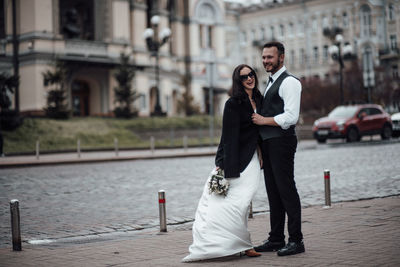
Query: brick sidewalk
<point x="359" y="233"/>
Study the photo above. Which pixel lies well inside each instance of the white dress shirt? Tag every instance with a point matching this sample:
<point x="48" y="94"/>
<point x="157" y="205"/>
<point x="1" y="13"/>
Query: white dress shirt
<point x="290" y="92"/>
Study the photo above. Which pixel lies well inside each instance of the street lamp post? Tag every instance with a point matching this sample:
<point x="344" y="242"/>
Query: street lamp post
<point x="154" y="41"/>
<point x="339" y="54"/>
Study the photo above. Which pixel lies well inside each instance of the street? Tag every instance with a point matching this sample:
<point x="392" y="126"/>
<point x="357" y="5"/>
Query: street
<point x="58" y="202"/>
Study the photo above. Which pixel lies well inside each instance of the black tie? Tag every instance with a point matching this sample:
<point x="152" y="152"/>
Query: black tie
<point x="270" y="81"/>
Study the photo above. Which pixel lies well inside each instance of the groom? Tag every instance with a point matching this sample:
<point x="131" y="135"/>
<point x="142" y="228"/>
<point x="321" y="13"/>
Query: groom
<point x="277" y="118"/>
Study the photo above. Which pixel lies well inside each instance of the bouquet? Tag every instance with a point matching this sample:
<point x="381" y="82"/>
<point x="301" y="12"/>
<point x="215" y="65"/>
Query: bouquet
<point x="218" y="184"/>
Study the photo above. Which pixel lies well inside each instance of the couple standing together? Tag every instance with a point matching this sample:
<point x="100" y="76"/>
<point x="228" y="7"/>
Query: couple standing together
<point x="257" y="132"/>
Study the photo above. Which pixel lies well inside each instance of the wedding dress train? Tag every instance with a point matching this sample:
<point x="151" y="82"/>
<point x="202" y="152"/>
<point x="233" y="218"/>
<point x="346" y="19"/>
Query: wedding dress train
<point x="220" y="226"/>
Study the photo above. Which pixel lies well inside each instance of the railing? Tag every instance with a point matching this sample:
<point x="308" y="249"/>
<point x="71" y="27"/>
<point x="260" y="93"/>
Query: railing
<point x="85" y="48"/>
<point x="389" y="53"/>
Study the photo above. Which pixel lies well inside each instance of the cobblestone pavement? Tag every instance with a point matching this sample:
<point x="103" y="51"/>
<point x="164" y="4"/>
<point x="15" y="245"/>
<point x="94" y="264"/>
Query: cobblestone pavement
<point x="82" y="201"/>
<point x="359" y="233"/>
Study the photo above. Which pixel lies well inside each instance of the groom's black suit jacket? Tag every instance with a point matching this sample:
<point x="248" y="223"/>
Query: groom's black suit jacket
<point x="239" y="136"/>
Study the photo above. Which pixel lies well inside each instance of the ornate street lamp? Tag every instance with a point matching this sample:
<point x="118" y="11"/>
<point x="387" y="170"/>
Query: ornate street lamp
<point x="155" y="41"/>
<point x="339" y="52"/>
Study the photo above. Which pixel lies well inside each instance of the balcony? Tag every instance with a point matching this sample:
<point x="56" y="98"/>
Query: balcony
<point x="85" y="49"/>
<point x="389" y="54"/>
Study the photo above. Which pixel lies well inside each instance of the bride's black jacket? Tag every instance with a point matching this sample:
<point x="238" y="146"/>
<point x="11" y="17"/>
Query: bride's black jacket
<point x="239" y="136"/>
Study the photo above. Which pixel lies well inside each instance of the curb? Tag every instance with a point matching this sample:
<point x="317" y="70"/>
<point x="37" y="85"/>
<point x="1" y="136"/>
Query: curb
<point x="33" y="163"/>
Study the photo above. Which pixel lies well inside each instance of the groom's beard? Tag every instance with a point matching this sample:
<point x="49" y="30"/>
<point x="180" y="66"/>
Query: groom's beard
<point x="275" y="67"/>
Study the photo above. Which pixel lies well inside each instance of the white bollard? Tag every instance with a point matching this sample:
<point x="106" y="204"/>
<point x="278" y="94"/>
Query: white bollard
<point x="15" y="225"/>
<point x="37" y="149"/>
<point x="152" y="144"/>
<point x="185" y="143"/>
<point x="163" y="214"/>
<point x="78" y="147"/>
<point x="327" y="181"/>
<point x="116" y="146"/>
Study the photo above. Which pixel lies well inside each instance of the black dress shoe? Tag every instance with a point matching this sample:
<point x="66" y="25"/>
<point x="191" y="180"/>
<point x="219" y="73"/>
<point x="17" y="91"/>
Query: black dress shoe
<point x="292" y="248"/>
<point x="269" y="246"/>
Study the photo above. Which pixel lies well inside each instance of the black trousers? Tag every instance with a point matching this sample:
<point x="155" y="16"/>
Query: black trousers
<point x="278" y="160"/>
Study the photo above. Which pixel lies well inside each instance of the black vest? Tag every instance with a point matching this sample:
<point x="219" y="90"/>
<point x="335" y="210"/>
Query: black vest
<point x="273" y="105"/>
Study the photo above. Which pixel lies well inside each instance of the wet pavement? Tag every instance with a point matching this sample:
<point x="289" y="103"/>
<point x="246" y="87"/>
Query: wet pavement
<point x="80" y="201"/>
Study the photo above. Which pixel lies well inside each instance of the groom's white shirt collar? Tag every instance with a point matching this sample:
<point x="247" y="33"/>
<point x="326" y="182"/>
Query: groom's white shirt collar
<point x="278" y="73"/>
<point x="274" y="77"/>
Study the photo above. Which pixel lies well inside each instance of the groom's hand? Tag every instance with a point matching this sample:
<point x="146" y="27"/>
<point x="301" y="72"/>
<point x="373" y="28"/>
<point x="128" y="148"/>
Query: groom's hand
<point x="257" y="119"/>
<point x="260" y="120"/>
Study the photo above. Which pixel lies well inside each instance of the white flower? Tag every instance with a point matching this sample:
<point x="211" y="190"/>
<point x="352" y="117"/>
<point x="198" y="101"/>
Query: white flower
<point x="214" y="171"/>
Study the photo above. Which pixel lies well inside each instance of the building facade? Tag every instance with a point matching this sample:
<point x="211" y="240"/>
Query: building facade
<point x="370" y="27"/>
<point x="89" y="35"/>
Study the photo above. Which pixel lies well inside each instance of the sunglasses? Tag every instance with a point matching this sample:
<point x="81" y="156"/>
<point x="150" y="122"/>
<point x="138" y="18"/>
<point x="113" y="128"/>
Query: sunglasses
<point x="245" y="77"/>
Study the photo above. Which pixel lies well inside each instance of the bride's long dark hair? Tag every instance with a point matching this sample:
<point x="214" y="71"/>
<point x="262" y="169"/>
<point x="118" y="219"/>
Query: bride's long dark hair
<point x="237" y="90"/>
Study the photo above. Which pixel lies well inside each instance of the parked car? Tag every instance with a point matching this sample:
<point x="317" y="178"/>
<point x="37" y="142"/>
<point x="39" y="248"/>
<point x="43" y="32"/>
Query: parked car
<point x="352" y="122"/>
<point x="396" y="124"/>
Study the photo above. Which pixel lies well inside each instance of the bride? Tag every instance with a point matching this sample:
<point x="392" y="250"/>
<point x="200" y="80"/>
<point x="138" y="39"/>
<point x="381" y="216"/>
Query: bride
<point x="220" y="226"/>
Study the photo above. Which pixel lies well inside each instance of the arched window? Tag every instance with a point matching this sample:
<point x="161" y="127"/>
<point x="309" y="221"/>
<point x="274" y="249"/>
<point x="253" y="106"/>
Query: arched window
<point x="291" y="30"/>
<point x="391" y="12"/>
<point x="208" y="15"/>
<point x="365" y="21"/>
<point x="345" y="20"/>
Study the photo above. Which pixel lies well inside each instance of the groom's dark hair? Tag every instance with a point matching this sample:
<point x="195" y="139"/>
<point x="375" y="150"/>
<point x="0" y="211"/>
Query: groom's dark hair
<point x="278" y="45"/>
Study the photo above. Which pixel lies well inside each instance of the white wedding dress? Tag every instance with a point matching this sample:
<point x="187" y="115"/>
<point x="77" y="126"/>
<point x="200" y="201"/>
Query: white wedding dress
<point x="220" y="226"/>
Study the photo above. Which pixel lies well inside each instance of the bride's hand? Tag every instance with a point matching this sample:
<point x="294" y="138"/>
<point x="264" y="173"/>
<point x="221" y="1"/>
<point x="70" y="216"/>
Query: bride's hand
<point x="217" y="168"/>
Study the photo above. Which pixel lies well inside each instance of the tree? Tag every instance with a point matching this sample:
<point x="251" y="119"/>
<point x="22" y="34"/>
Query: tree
<point x="387" y="89"/>
<point x="7" y="85"/>
<point x="10" y="119"/>
<point x="186" y="104"/>
<point x="56" y="97"/>
<point x="124" y="95"/>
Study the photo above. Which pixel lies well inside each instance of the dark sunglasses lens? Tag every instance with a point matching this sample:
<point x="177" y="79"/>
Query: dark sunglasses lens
<point x="245" y="77"/>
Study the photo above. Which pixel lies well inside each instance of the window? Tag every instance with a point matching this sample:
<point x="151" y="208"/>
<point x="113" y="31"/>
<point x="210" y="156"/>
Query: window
<point x="292" y="57"/>
<point x="142" y="101"/>
<point x="395" y="71"/>
<point x="316" y="55"/>
<point x="272" y="32"/>
<point x="335" y="21"/>
<point x="168" y="101"/>
<point x="302" y="57"/>
<point x="291" y="30"/>
<point x="281" y="30"/>
<point x="365" y="21"/>
<point x="206" y="36"/>
<point x="209" y="35"/>
<point x="252" y="35"/>
<point x="391" y="12"/>
<point x="314" y="25"/>
<point x="345" y="20"/>
<point x="300" y="28"/>
<point x="393" y="42"/>
<point x="325" y="22"/>
<point x="374" y="111"/>
<point x="243" y="40"/>
<point x="201" y="35"/>
<point x="262" y="34"/>
<point x="325" y="53"/>
<point x="77" y="19"/>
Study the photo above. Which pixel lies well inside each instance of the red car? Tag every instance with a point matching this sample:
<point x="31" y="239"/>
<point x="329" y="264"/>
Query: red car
<point x="352" y="122"/>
